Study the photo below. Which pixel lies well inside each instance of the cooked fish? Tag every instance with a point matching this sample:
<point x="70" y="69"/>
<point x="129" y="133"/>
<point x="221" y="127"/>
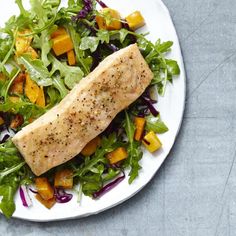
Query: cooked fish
<point x="61" y="133"/>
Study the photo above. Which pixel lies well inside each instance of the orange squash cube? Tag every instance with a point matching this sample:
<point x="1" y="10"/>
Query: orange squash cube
<point x="41" y="98"/>
<point x="91" y="147"/>
<point x="71" y="58"/>
<point x="17" y="121"/>
<point x="109" y="19"/>
<point x="2" y="77"/>
<point x="1" y="121"/>
<point x="44" y="188"/>
<point x="31" y="89"/>
<point x="151" y="142"/>
<point x="117" y="155"/>
<point x="139" y="124"/>
<point x="135" y="20"/>
<point x="30" y="51"/>
<point x="17" y="86"/>
<point x="64" y="179"/>
<point x="47" y="203"/>
<point x="62" y="44"/>
<point x="23" y="42"/>
<point x="59" y="31"/>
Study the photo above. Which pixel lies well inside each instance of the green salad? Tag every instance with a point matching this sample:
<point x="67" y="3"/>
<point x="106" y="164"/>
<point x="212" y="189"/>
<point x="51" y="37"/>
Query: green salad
<point x="44" y="53"/>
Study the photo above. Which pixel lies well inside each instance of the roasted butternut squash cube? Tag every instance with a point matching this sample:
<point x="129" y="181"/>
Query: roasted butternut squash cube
<point x="135" y="20"/>
<point x="117" y="155"/>
<point x="17" y="121"/>
<point x="41" y="98"/>
<point x="62" y="44"/>
<point x="22" y="42"/>
<point x="59" y="31"/>
<point x="44" y="188"/>
<point x="91" y="147"/>
<point x="71" y="58"/>
<point x="151" y="142"/>
<point x="47" y="203"/>
<point x="17" y="86"/>
<point x="2" y="77"/>
<point x="1" y="121"/>
<point x="139" y="125"/>
<point x="109" y="19"/>
<point x="30" y="51"/>
<point x="64" y="179"/>
<point x="32" y="90"/>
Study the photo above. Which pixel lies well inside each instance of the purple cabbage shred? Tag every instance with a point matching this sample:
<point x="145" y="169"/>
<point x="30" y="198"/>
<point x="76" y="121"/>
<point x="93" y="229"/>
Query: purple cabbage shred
<point x="148" y="101"/>
<point x="33" y="191"/>
<point x="82" y="14"/>
<point x="101" y="3"/>
<point x="5" y="134"/>
<point x="109" y="187"/>
<point x="62" y="196"/>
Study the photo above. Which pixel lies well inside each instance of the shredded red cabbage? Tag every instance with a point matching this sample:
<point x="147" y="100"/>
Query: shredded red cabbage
<point x="5" y="134"/>
<point x="62" y="196"/>
<point x="33" y="191"/>
<point x="101" y="3"/>
<point x="147" y="142"/>
<point x="82" y="14"/>
<point x="26" y="201"/>
<point x="108" y="187"/>
<point x="149" y="102"/>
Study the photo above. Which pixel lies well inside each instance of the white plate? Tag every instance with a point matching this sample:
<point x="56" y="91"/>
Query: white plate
<point x="159" y="24"/>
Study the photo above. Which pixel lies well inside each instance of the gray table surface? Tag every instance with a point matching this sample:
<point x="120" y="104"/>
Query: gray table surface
<point x="194" y="193"/>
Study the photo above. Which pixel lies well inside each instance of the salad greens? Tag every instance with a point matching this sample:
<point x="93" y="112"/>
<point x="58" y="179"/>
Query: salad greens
<point x="11" y="174"/>
<point x="34" y="78"/>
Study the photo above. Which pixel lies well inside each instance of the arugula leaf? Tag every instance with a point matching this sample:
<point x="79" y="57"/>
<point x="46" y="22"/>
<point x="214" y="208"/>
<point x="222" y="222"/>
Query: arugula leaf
<point x="4" y="89"/>
<point x="155" y="124"/>
<point x="7" y="171"/>
<point x="162" y="68"/>
<point x="172" y="67"/>
<point x="6" y="42"/>
<point x="8" y="54"/>
<point x="80" y="54"/>
<point x="10" y="176"/>
<point x="44" y="14"/>
<point x="7" y="204"/>
<point x="90" y="173"/>
<point x="54" y="96"/>
<point x="163" y="47"/>
<point x="123" y="34"/>
<point x="26" y="109"/>
<point x="58" y="83"/>
<point x="90" y="42"/>
<point x="21" y="8"/>
<point x="38" y="72"/>
<point x="111" y="174"/>
<point x="103" y="36"/>
<point x="51" y="3"/>
<point x="107" y="145"/>
<point x="7" y="148"/>
<point x="134" y="150"/>
<point x="72" y="75"/>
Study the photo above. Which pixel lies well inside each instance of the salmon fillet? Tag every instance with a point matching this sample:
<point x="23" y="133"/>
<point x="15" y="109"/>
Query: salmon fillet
<point x="62" y="132"/>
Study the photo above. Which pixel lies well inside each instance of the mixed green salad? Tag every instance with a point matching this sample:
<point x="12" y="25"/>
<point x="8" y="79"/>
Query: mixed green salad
<point x="44" y="52"/>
